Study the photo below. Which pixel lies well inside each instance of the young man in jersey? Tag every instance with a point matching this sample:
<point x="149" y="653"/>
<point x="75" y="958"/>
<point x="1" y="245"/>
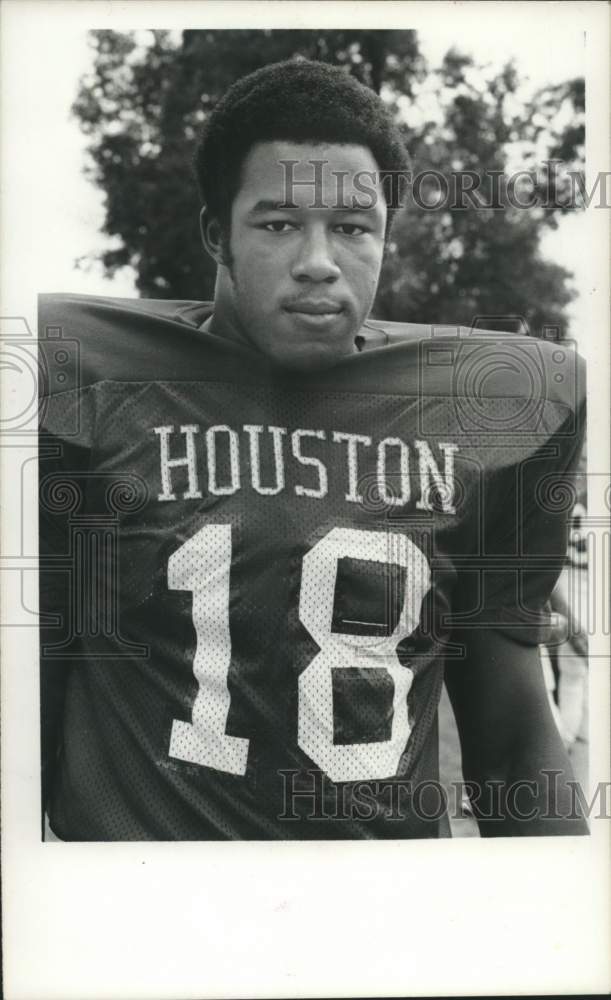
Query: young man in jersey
<point x="268" y="524"/>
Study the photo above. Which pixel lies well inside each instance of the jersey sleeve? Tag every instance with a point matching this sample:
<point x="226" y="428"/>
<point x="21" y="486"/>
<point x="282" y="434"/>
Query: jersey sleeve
<point x="527" y="501"/>
<point x="66" y="420"/>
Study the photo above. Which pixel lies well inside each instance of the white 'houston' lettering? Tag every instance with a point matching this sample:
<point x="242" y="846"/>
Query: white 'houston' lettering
<point x="389" y="495"/>
<point x="167" y="463"/>
<point x="224" y="456"/>
<point x="429" y="474"/>
<point x="323" y="479"/>
<point x="254" y="431"/>
<point x="234" y="460"/>
<point x="353" y="441"/>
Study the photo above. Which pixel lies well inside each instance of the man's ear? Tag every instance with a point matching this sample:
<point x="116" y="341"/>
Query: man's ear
<point x="212" y="236"/>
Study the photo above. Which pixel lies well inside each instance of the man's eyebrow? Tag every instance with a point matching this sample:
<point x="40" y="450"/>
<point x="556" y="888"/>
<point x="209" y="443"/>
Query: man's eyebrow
<point x="272" y="205"/>
<point x="269" y="205"/>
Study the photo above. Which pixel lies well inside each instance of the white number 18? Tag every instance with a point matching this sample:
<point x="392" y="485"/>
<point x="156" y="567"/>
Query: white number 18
<point x="202" y="566"/>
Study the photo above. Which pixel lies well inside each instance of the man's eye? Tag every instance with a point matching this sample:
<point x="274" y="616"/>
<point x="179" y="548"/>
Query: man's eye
<point x="351" y="229"/>
<point x="279" y="226"/>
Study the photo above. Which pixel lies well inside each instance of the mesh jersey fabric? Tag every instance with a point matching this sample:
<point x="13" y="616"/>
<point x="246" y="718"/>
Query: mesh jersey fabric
<point x="249" y="579"/>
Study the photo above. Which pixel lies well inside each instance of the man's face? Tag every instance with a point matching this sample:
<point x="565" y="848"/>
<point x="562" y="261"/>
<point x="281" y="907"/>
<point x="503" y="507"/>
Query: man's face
<point x="302" y="279"/>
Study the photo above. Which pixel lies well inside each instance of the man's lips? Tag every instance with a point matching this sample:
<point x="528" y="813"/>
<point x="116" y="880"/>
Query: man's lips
<point x="314" y="307"/>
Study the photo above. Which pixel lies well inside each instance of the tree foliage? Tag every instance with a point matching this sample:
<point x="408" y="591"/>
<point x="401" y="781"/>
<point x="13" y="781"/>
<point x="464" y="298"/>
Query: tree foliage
<point x="144" y="102"/>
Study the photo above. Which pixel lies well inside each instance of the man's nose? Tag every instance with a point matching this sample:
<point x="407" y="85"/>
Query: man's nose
<point x="315" y="260"/>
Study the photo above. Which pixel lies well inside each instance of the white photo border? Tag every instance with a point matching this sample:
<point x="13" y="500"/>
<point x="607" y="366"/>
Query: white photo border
<point x="182" y="920"/>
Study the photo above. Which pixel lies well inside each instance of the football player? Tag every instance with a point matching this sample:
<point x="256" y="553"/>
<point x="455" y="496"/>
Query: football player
<point x="268" y="523"/>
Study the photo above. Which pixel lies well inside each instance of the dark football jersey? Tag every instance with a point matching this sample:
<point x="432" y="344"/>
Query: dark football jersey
<point x="250" y="578"/>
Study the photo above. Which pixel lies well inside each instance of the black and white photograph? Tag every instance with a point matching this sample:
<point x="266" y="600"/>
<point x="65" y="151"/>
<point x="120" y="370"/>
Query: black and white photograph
<point x="306" y="404"/>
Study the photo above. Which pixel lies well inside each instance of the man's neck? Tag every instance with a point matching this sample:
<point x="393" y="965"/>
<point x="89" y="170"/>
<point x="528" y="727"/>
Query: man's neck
<point x="223" y="322"/>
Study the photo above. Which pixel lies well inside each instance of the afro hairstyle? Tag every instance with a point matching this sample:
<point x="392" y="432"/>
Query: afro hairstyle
<point x="299" y="101"/>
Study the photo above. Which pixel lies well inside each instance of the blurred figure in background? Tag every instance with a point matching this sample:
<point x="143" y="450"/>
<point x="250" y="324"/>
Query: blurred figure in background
<point x="565" y="663"/>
